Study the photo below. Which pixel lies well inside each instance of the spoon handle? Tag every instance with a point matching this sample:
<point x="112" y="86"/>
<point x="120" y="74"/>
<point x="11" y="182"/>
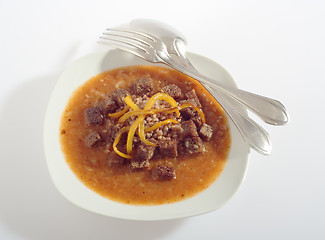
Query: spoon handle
<point x="269" y="110"/>
<point x="253" y="134"/>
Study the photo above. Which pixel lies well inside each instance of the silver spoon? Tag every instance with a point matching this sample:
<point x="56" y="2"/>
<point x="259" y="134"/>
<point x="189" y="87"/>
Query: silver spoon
<point x="253" y="134"/>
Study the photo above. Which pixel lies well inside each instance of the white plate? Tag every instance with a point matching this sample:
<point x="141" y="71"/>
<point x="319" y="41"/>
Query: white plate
<point x="70" y="187"/>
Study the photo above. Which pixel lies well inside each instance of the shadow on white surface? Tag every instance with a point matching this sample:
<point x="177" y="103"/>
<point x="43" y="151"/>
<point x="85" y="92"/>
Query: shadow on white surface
<point x="30" y="206"/>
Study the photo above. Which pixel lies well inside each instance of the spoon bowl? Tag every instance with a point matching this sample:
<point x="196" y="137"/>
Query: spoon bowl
<point x="168" y="34"/>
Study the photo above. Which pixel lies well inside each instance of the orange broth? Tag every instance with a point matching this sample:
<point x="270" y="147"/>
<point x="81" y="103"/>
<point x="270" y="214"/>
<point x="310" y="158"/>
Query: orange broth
<point x="194" y="172"/>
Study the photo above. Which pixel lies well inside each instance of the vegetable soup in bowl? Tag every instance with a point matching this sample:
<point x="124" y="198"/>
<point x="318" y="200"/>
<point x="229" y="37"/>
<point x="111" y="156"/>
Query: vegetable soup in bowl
<point x="134" y="140"/>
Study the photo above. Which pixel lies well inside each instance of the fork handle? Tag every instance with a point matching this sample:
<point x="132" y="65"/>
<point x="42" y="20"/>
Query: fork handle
<point x="269" y="110"/>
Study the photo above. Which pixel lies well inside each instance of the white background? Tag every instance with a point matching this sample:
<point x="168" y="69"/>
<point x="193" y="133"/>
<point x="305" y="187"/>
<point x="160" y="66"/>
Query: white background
<point x="274" y="48"/>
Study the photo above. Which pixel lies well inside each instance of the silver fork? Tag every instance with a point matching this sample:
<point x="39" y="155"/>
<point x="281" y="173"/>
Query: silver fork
<point x="153" y="50"/>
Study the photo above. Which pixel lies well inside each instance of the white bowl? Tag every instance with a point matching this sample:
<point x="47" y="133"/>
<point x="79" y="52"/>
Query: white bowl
<point x="71" y="188"/>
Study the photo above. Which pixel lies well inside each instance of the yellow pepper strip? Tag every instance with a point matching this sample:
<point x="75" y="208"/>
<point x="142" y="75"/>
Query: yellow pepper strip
<point x="137" y="124"/>
<point x="142" y="136"/>
<point x="130" y="103"/>
<point x="200" y="112"/>
<point x="145" y="112"/>
<point x="116" y="141"/>
<point x="132" y="113"/>
<point x="159" y="124"/>
<point x="131" y="133"/>
<point x="168" y="110"/>
<point x="149" y="105"/>
<point x="120" y="113"/>
<point x="161" y="96"/>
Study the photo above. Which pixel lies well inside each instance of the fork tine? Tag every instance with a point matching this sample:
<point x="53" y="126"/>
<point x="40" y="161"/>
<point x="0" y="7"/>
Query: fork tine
<point x="124" y="40"/>
<point x="127" y="36"/>
<point x="124" y="45"/>
<point x="137" y="34"/>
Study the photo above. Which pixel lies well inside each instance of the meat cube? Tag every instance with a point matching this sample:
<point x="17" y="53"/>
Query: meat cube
<point x="111" y="134"/>
<point x="193" y="145"/>
<point x="197" y="120"/>
<point x="163" y="173"/>
<point x="206" y="132"/>
<point x="108" y="105"/>
<point x="192" y="98"/>
<point x="114" y="159"/>
<point x="168" y="148"/>
<point x="93" y="139"/>
<point x="143" y="86"/>
<point x="94" y="116"/>
<point x="118" y="96"/>
<point x="135" y="164"/>
<point x="114" y="101"/>
<point x="175" y="131"/>
<point x="172" y="90"/>
<point x="191" y="114"/>
<point x="187" y="113"/>
<point x="189" y="129"/>
<point x="144" y="152"/>
<point x="142" y="156"/>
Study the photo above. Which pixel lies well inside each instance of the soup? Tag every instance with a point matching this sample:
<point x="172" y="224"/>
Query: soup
<point x="144" y="135"/>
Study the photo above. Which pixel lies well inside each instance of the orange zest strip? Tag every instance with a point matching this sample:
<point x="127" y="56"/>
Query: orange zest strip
<point x="120" y="113"/>
<point x="168" y="110"/>
<point x="116" y="141"/>
<point x="200" y="112"/>
<point x="133" y="113"/>
<point x="142" y="136"/>
<point x="161" y="96"/>
<point x="159" y="124"/>
<point x="131" y="133"/>
<point x="145" y="112"/>
<point x="130" y="103"/>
